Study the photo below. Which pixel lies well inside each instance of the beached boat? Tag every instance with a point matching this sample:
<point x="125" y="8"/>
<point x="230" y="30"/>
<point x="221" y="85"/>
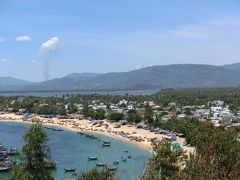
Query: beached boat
<point x="69" y="169"/>
<point x="92" y="158"/>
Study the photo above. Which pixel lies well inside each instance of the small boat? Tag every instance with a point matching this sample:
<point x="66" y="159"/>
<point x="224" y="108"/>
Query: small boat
<point x="69" y="169"/>
<point x="100" y="164"/>
<point x="112" y="168"/>
<point x="106" y="145"/>
<point x="116" y="162"/>
<point x="50" y="165"/>
<point x="5" y="168"/>
<point x="74" y="173"/>
<point x="94" y="137"/>
<point x="13" y="152"/>
<point x="92" y="158"/>
<point x="129" y="156"/>
<point x="124" y="158"/>
<point x="126" y="151"/>
<point x="107" y="142"/>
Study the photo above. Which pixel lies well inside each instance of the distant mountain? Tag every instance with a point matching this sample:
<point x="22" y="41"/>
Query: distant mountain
<point x="10" y="82"/>
<point x="235" y="66"/>
<point x="82" y="75"/>
<point x="154" y="77"/>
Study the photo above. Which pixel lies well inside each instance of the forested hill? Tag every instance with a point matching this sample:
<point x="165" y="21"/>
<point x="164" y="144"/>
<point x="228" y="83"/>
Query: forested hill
<point x="154" y="77"/>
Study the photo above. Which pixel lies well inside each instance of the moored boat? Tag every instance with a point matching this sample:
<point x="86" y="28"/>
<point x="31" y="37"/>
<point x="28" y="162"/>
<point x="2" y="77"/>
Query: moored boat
<point x="92" y="158"/>
<point x="4" y="168"/>
<point x="100" y="164"/>
<point x="106" y="145"/>
<point x="112" y="168"/>
<point x="69" y="169"/>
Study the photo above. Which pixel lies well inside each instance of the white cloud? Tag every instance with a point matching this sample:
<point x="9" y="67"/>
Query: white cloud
<point x="2" y="39"/>
<point x="34" y="60"/>
<point x="23" y="38"/>
<point x="51" y="45"/>
<point x="207" y="28"/>
<point x="3" y="60"/>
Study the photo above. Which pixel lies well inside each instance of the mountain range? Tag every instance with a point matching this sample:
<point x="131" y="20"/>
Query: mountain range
<point x="153" y="77"/>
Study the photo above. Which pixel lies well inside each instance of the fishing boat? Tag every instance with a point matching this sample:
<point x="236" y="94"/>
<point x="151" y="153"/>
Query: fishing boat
<point x="74" y="173"/>
<point x="92" y="158"/>
<point x="50" y="165"/>
<point x="4" y="168"/>
<point x="106" y="145"/>
<point x="94" y="137"/>
<point x="100" y="164"/>
<point x="80" y="133"/>
<point x="13" y="152"/>
<point x="124" y="158"/>
<point x="112" y="168"/>
<point x="69" y="169"/>
<point x="116" y="162"/>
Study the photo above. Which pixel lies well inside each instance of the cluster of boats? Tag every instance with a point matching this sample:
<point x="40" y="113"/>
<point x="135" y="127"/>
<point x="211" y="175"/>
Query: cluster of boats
<point x="54" y="129"/>
<point x="6" y="160"/>
<point x="101" y="164"/>
<point x="91" y="136"/>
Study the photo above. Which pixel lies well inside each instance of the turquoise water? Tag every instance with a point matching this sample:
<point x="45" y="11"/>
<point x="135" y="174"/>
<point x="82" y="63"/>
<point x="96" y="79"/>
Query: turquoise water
<point x="71" y="150"/>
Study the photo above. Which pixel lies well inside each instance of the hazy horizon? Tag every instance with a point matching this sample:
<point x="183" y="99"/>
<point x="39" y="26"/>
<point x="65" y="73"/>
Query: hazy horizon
<point x="112" y="71"/>
<point x="47" y="39"/>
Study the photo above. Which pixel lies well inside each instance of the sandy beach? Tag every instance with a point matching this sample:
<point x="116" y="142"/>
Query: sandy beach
<point x="105" y="128"/>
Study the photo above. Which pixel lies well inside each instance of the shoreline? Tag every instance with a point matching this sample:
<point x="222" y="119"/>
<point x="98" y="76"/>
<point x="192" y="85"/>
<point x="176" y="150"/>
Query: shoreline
<point x="106" y="129"/>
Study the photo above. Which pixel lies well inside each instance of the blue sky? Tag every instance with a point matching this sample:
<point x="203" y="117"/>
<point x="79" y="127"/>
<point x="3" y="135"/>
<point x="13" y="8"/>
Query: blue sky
<point x="114" y="35"/>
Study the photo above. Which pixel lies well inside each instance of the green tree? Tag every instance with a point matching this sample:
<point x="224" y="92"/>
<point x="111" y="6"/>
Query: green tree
<point x="115" y="116"/>
<point x="95" y="174"/>
<point x="99" y="114"/>
<point x="34" y="155"/>
<point x="164" y="164"/>
<point x="148" y="114"/>
<point x="217" y="155"/>
<point x="133" y="116"/>
<point x="19" y="173"/>
<point x="87" y="111"/>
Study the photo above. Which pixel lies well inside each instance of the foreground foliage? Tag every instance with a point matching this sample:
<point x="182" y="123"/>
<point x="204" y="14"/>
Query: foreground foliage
<point x="32" y="162"/>
<point x="95" y="174"/>
<point x="217" y="156"/>
<point x="164" y="164"/>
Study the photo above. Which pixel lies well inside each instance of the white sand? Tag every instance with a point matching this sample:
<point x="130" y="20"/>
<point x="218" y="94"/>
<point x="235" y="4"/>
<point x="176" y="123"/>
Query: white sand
<point x="85" y="125"/>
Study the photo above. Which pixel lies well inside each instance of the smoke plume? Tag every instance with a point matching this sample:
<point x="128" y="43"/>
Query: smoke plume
<point x="47" y="50"/>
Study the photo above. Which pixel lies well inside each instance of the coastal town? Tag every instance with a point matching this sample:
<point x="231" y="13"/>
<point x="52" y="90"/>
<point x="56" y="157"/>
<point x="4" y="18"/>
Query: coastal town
<point x="142" y="123"/>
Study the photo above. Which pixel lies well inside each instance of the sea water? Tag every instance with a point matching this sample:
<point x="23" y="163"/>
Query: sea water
<point x="71" y="150"/>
